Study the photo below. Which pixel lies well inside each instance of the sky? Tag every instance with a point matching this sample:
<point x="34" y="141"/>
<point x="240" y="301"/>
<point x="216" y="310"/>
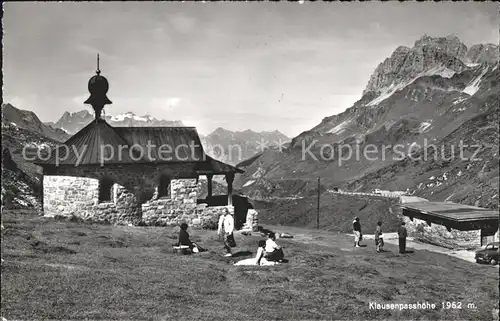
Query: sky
<point x="261" y="66"/>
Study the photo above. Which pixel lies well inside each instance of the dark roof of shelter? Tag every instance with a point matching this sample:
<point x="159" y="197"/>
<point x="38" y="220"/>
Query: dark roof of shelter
<point x="88" y="146"/>
<point x="175" y="144"/>
<point x="99" y="143"/>
<point x="453" y="211"/>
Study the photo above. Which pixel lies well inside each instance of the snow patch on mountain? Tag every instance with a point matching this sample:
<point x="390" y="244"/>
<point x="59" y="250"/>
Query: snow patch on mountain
<point x="438" y="71"/>
<point x="424" y="126"/>
<point x="250" y="182"/>
<point x="340" y="127"/>
<point x="472" y="64"/>
<point x="37" y="145"/>
<point x="140" y="118"/>
<point x="459" y="100"/>
<point x="473" y="86"/>
<point x="386" y="93"/>
<point x="392" y="89"/>
<point x="122" y="117"/>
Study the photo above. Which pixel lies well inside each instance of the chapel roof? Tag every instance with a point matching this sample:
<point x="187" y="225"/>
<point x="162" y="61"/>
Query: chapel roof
<point x="99" y="143"/>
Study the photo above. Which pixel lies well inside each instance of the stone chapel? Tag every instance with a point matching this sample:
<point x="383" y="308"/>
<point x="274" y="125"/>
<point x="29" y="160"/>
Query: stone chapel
<point x="134" y="175"/>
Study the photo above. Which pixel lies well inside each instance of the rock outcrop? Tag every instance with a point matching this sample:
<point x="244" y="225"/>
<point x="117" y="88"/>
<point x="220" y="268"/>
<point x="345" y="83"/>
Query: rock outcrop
<point x="447" y="53"/>
<point x="483" y="53"/>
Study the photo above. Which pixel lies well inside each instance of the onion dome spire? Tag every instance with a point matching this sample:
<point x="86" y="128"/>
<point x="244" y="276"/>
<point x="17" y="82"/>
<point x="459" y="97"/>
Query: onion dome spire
<point x="98" y="87"/>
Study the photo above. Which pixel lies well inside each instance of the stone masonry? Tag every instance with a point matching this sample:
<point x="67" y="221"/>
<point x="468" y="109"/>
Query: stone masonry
<point x="78" y="196"/>
<point x="141" y="180"/>
<point x="179" y="207"/>
<point x="208" y="217"/>
<point x="439" y="234"/>
<point x="252" y="223"/>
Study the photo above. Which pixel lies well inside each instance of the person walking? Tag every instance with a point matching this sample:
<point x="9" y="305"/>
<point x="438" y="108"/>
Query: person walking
<point x="402" y="234"/>
<point x="356" y="227"/>
<point x="379" y="240"/>
<point x="226" y="229"/>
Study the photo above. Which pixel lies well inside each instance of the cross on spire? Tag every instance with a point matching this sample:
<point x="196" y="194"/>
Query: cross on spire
<point x="98" y="71"/>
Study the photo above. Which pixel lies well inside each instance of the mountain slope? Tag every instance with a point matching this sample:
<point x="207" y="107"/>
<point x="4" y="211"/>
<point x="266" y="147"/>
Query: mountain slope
<point x="444" y="174"/>
<point x="28" y="120"/>
<point x="19" y="190"/>
<point x="419" y="94"/>
<point x="22" y="135"/>
<point x="234" y="147"/>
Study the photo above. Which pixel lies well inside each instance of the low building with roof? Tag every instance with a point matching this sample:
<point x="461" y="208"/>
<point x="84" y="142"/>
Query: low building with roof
<point x="132" y="175"/>
<point x="476" y="224"/>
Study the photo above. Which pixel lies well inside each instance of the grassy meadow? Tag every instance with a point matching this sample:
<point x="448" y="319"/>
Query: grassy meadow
<point x="69" y="270"/>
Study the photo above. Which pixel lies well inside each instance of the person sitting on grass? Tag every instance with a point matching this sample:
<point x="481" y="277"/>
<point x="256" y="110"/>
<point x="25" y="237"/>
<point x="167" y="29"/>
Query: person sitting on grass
<point x="259" y="258"/>
<point x="184" y="240"/>
<point x="273" y="252"/>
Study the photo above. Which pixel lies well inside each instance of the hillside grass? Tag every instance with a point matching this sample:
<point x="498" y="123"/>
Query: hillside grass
<point x="68" y="270"/>
<point x="336" y="213"/>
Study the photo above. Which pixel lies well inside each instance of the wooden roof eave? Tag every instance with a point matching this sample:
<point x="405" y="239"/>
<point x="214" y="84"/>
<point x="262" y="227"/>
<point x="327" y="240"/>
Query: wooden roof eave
<point x="465" y="224"/>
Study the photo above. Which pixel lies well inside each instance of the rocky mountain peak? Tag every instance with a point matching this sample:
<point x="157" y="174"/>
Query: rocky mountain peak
<point x="73" y="122"/>
<point x="7" y="106"/>
<point x="220" y="131"/>
<point x="83" y="112"/>
<point x="79" y="114"/>
<point x="239" y="145"/>
<point x="427" y="53"/>
<point x="65" y="115"/>
<point x="483" y="53"/>
<point x="450" y="44"/>
<point x="22" y="118"/>
<point x="401" y="50"/>
<point x="28" y="120"/>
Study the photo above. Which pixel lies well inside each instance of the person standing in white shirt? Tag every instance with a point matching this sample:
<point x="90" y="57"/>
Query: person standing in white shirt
<point x="226" y="228"/>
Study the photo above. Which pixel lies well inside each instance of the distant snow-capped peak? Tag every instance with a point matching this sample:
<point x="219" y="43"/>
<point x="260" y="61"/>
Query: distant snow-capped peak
<point x="71" y="123"/>
<point x="129" y="115"/>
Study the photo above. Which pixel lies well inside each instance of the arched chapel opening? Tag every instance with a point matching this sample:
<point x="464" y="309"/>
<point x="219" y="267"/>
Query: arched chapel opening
<point x="105" y="190"/>
<point x="164" y="186"/>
